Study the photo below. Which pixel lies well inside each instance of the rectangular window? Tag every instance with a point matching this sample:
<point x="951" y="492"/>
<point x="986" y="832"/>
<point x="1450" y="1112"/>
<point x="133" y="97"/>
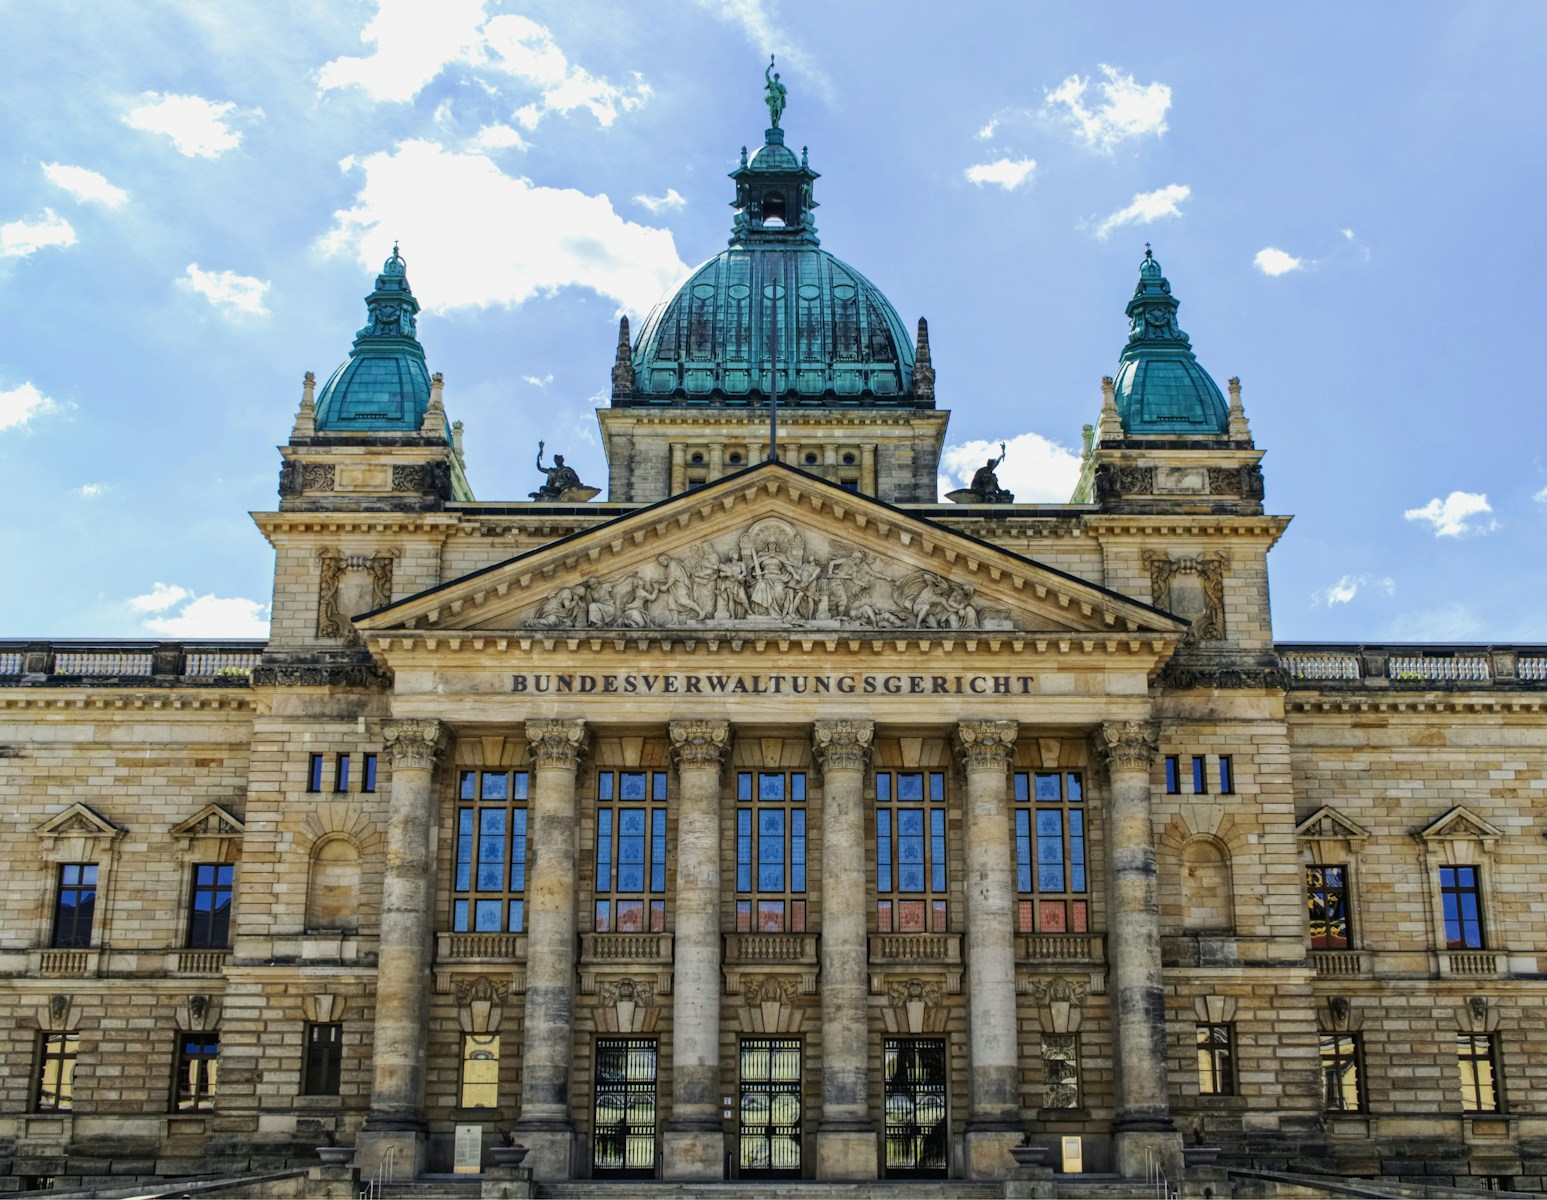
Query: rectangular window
<point x="324" y="1059"/>
<point x="771" y="852"/>
<point x="209" y="909"/>
<point x="1342" y="1086"/>
<point x="1326" y="901"/>
<point x="1061" y="1070"/>
<point x="368" y="776"/>
<point x="75" y="904"/>
<point x="630" y="852"/>
<point x="480" y="1087"/>
<point x="489" y="882"/>
<point x="1173" y="775"/>
<point x="1200" y="774"/>
<point x="910" y="852"/>
<point x="1461" y="897"/>
<point x="314" y="774"/>
<point x="198" y="1061"/>
<point x="1216" y="1060"/>
<point x="341" y="773"/>
<point x="1477" y="1057"/>
<point x="1226" y="776"/>
<point x="1051" y="882"/>
<point x="56" y="1071"/>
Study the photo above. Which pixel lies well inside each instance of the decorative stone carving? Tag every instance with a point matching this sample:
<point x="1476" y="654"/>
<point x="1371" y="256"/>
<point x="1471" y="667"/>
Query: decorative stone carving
<point x="699" y="743"/>
<point x="1060" y="1002"/>
<point x="1127" y="745"/>
<point x="1224" y="481"/>
<point x="371" y="588"/>
<point x="413" y="744"/>
<point x="481" y="1004"/>
<point x="322" y="1008"/>
<point x="630" y="1001"/>
<point x="199" y="1013"/>
<point x="842" y="744"/>
<point x="321" y="674"/>
<point x="425" y="479"/>
<point x="766" y="575"/>
<point x="773" y="1003"/>
<point x="557" y="743"/>
<point x="982" y="744"/>
<point x="1181" y="677"/>
<point x="917" y="1003"/>
<point x="1203" y="605"/>
<point x="1113" y="481"/>
<point x="761" y="989"/>
<point x="58" y="1010"/>
<point x="1478" y="1015"/>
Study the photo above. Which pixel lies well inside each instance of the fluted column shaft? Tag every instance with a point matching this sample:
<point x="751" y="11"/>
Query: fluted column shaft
<point x="846" y="1137"/>
<point x="557" y="747"/>
<point x="407" y="933"/>
<point x="985" y="749"/>
<point x="693" y="1145"/>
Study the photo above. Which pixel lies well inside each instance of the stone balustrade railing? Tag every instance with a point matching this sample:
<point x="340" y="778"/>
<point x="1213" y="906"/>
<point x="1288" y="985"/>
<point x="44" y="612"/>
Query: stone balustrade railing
<point x="1323" y="665"/>
<point x="127" y="663"/>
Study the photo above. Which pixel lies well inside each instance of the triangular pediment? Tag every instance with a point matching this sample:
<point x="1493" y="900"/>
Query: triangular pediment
<point x="1460" y="823"/>
<point x="1326" y="824"/>
<point x="78" y="820"/>
<point x="771" y="550"/>
<point x="211" y="821"/>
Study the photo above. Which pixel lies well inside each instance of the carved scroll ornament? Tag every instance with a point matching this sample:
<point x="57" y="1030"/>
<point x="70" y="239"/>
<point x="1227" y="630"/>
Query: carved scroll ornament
<point x="987" y="744"/>
<point x="414" y="745"/>
<point x="557" y="743"/>
<point x="699" y="743"/>
<point x="842" y="744"/>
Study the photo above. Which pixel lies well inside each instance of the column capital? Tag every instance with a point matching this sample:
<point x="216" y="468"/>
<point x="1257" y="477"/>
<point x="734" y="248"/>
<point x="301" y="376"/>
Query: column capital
<point x="700" y="743"/>
<point x="1127" y="745"/>
<point x="841" y="743"/>
<point x="414" y="743"/>
<point x="985" y="743"/>
<point x="557" y="742"/>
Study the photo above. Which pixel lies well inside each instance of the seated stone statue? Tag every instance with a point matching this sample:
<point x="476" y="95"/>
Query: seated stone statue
<point x="985" y="487"/>
<point x="561" y="479"/>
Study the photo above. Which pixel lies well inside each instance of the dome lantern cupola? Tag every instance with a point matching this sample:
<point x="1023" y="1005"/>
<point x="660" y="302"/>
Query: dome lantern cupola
<point x="773" y="189"/>
<point x="1160" y="389"/>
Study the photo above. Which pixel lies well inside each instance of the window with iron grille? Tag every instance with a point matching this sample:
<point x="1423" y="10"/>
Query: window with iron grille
<point x="624" y="1115"/>
<point x="910" y="852"/>
<point x="770" y="1113"/>
<point x="1326" y="902"/>
<point x="1051" y="881"/>
<point x="488" y="893"/>
<point x="324" y="1059"/>
<point x="771" y="852"/>
<point x="209" y="906"/>
<point x="1061" y="1070"/>
<point x="75" y="904"/>
<point x="57" y="1053"/>
<point x="630" y="852"/>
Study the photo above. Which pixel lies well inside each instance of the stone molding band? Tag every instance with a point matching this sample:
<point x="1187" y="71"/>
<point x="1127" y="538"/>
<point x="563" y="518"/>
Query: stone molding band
<point x="557" y="742"/>
<point x="700" y="743"/>
<point x="414" y="744"/>
<point x="839" y="745"/>
<point x="985" y="744"/>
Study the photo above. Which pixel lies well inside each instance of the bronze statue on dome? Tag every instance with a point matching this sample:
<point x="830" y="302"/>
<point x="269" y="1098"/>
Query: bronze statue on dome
<point x="778" y="95"/>
<point x="563" y="482"/>
<point x="984" y="488"/>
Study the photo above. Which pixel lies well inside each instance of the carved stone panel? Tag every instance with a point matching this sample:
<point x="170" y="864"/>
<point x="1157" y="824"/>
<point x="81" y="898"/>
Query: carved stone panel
<point x="1192" y="588"/>
<point x="350" y="584"/>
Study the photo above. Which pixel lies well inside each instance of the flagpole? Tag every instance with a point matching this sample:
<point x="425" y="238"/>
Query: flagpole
<point x="773" y="363"/>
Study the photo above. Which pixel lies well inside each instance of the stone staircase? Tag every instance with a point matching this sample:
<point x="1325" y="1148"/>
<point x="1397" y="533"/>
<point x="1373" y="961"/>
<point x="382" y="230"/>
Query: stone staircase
<point x="772" y="1189"/>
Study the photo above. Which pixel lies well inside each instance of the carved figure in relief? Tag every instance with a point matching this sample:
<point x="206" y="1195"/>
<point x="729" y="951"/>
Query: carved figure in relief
<point x="678" y="588"/>
<point x="561" y="609"/>
<point x="634" y="593"/>
<point x="601" y="605"/>
<point x="960" y="612"/>
<point x="706" y="573"/>
<point x="730" y="589"/>
<point x="801" y="598"/>
<point x="770" y="579"/>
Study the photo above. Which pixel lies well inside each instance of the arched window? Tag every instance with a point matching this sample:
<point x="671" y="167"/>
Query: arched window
<point x="332" y="893"/>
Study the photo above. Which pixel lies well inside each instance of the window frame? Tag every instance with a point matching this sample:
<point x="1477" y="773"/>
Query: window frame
<point x="1074" y="1059"/>
<point x="69" y="1041"/>
<point x="1467" y="1043"/>
<point x="654" y="849"/>
<point x="1173" y="769"/>
<point x="1475" y="891"/>
<point x="1336" y="1061"/>
<point x="1216" y="1050"/>
<point x="753" y="898"/>
<point x="341" y="765"/>
<point x="1343" y="890"/>
<point x="1032" y="901"/>
<point x="322" y="1060"/>
<point x="1227" y="775"/>
<point x="208" y="941"/>
<point x="1200" y="774"/>
<point x="314" y="771"/>
<point x="468" y="900"/>
<point x="933" y="844"/>
<point x="200" y="1066"/>
<point x="368" y="774"/>
<point x="75" y="938"/>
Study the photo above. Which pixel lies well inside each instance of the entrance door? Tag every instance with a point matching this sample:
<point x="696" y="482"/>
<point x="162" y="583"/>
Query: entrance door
<point x="623" y="1124"/>
<point x="917" y="1136"/>
<point x="770" y="1107"/>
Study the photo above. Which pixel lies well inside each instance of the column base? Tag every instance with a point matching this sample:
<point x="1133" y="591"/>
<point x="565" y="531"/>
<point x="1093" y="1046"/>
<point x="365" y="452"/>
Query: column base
<point x="405" y="1147"/>
<point x="846" y="1152"/>
<point x="333" y="1183"/>
<point x="550" y="1151"/>
<point x="507" y="1183"/>
<point x="988" y="1148"/>
<point x="1139" y="1151"/>
<point x="693" y="1154"/>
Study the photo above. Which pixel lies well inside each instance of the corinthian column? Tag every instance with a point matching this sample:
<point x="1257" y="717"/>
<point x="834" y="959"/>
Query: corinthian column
<point x="396" y="1116"/>
<point x="846" y="1138"/>
<point x="545" y="1126"/>
<point x="1133" y="937"/>
<point x="693" y="1146"/>
<point x="993" y="1123"/>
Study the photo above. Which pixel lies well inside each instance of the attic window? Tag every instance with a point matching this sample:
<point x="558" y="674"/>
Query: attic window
<point x="811" y="460"/>
<point x="734" y="458"/>
<point x="697" y="458"/>
<point x="848" y="460"/>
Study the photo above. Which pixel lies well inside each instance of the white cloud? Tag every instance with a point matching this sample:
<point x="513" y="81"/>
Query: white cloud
<point x="1272" y="261"/>
<point x="23" y="402"/>
<point x="1349" y="586"/>
<point x="1348" y="234"/>
<point x="672" y="201"/>
<point x="198" y="127"/>
<point x="1147" y="207"/>
<point x="227" y="290"/>
<point x="90" y="491"/>
<point x="206" y="616"/>
<point x="414" y="42"/>
<point x="463" y="224"/>
<point x="764" y="33"/>
<point x="497" y="136"/>
<point x="85" y="185"/>
<point x="1125" y="109"/>
<point x="537" y="381"/>
<point x="1008" y="173"/>
<point x="1452" y="516"/>
<point x="1035" y="469"/>
<point x="18" y="239"/>
<point x="1541" y="496"/>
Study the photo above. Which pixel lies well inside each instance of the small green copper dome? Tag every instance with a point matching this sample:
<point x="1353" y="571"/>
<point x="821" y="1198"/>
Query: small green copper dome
<point x="1160" y="388"/>
<point x="383" y="385"/>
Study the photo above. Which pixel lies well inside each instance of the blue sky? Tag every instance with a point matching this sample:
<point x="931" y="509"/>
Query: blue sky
<point x="1346" y="199"/>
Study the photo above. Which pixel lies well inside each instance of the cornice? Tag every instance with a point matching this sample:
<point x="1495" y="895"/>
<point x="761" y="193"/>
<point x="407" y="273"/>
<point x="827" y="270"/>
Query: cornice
<point x="76" y="699"/>
<point x="1325" y="705"/>
<point x="1187" y="525"/>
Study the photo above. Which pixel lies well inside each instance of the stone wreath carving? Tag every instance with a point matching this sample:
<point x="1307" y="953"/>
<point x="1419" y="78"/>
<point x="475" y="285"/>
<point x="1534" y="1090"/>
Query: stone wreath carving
<point x="766" y="989"/>
<point x="1206" y="614"/>
<point x="915" y="991"/>
<point x="333" y="623"/>
<point x="768" y="575"/>
<point x="612" y="992"/>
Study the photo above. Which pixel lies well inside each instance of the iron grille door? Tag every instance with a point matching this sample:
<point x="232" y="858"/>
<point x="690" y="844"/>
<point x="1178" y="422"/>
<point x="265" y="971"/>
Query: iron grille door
<point x="917" y="1135"/>
<point x="623" y="1124"/>
<point x="770" y="1107"/>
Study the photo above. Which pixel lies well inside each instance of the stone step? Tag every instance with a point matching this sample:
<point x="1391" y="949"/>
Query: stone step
<point x="772" y="1189"/>
<point x="433" y="1187"/>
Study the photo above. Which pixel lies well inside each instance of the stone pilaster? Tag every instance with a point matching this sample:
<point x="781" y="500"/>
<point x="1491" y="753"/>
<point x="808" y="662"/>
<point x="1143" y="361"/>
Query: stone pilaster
<point x="1143" y="1123"/>
<point x="545" y="1126"/>
<point x="846" y="1137"/>
<point x="993" y="1122"/>
<point x="693" y="1142"/>
<point x="396" y="1116"/>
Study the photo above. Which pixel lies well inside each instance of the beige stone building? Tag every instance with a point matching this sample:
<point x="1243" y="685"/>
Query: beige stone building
<point x="771" y="818"/>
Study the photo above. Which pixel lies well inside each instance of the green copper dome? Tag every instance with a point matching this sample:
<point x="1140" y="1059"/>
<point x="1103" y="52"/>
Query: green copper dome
<point x="383" y="385"/>
<point x="774" y="295"/>
<point x="1160" y="388"/>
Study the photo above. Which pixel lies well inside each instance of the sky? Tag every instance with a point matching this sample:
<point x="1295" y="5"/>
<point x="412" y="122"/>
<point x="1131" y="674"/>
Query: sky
<point x="195" y="198"/>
